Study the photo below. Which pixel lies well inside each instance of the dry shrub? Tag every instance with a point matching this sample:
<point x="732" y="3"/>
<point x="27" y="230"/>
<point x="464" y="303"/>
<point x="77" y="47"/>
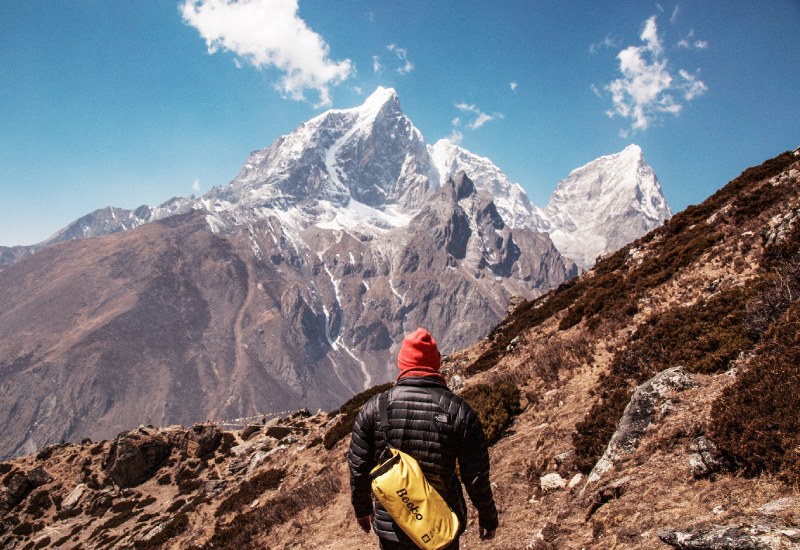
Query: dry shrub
<point x="496" y="406"/>
<point x="246" y="529"/>
<point x="559" y="356"/>
<point x="349" y="411"/>
<point x="172" y="529"/>
<point x="703" y="338"/>
<point x="251" y="490"/>
<point x="757" y="419"/>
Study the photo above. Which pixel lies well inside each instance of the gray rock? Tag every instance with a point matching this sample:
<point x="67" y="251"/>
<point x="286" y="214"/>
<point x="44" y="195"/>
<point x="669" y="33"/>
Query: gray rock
<point x="780" y="505"/>
<point x="648" y="400"/>
<point x="256" y="460"/>
<point x="552" y="482"/>
<point x="733" y="537"/>
<point x="706" y="459"/>
<point x="74" y="498"/>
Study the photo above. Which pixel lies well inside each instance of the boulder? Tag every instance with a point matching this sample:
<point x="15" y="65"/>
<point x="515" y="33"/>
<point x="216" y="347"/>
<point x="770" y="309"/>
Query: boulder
<point x="248" y="431"/>
<point x="201" y="440"/>
<point x="135" y="456"/>
<point x="17" y="488"/>
<point x="73" y="500"/>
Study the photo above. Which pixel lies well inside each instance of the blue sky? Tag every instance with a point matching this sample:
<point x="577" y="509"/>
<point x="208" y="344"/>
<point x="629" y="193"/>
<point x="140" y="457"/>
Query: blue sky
<point x="125" y="103"/>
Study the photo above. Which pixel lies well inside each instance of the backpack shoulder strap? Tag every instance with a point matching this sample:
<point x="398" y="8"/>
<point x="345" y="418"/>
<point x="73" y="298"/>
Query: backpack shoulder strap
<point x="383" y="411"/>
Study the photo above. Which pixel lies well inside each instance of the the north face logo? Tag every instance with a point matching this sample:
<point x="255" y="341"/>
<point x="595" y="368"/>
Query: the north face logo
<point x="441" y="418"/>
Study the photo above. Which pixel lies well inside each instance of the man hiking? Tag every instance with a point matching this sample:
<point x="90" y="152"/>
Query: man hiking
<point x="439" y="429"/>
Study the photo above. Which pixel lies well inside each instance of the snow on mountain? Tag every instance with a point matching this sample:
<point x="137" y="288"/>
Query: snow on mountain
<point x="604" y="205"/>
<point x="510" y="198"/>
<point x="368" y="163"/>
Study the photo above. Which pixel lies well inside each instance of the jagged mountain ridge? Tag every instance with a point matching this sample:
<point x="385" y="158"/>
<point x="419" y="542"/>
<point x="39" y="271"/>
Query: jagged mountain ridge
<point x="371" y="163"/>
<point x="286" y="484"/>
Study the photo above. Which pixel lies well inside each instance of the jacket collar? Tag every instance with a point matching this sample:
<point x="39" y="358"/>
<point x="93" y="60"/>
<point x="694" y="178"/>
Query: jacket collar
<point x="421" y="381"/>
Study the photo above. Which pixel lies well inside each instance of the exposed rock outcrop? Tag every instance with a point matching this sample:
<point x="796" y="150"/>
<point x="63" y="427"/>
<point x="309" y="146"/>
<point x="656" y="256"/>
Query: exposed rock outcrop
<point x="733" y="537"/>
<point x="649" y="400"/>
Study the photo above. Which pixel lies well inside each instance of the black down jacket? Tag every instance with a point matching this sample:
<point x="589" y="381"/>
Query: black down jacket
<point x="437" y="428"/>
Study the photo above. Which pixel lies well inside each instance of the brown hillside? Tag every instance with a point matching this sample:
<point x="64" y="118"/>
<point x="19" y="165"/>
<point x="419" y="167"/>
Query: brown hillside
<point x="651" y="403"/>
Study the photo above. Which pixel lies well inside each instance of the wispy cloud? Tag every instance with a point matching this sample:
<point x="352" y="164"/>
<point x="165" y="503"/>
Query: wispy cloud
<point x="605" y="43"/>
<point x="479" y="118"/>
<point x="476" y="119"/>
<point x="674" y="16"/>
<point x="456" y="136"/>
<point x="402" y="56"/>
<point x="196" y="186"/>
<point x="269" y="33"/>
<point x="647" y="88"/>
<point x="513" y="86"/>
<point x="377" y="68"/>
<point x="690" y="43"/>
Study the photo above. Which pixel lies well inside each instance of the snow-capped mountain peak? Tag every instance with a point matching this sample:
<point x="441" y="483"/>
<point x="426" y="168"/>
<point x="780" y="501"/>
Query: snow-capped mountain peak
<point x="605" y="204"/>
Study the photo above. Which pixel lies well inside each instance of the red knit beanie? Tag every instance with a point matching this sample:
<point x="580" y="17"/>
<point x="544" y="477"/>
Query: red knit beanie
<point x="419" y="355"/>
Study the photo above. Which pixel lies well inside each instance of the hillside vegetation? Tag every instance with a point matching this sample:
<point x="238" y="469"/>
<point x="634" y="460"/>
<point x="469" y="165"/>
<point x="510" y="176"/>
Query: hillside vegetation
<point x="649" y="403"/>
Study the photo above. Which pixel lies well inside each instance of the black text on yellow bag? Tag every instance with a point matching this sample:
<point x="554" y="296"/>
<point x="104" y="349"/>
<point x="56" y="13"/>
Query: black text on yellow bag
<point x="417" y="508"/>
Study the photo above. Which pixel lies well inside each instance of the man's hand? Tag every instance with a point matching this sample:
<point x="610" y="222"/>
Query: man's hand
<point x="486" y="534"/>
<point x="366" y="522"/>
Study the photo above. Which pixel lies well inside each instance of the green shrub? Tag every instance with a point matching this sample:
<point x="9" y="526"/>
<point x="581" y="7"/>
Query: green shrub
<point x="496" y="406"/>
<point x="349" y="411"/>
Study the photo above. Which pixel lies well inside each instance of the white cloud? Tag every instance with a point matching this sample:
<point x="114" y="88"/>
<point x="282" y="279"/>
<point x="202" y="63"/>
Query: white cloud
<point x="269" y="33"/>
<point x="477" y="118"/>
<point x="480" y="118"/>
<point x="647" y="88"/>
<point x="402" y="56"/>
<point x="513" y="86"/>
<point x="196" y="186"/>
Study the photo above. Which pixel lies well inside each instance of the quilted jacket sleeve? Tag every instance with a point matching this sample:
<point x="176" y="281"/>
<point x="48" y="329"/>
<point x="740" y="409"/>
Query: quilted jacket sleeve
<point x="473" y="462"/>
<point x="361" y="459"/>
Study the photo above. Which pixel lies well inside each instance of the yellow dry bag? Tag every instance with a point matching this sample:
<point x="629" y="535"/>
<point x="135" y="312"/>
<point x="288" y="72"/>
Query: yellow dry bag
<point x="417" y="508"/>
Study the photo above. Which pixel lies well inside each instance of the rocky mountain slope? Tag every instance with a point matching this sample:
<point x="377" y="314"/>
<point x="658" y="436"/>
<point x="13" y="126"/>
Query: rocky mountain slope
<point x="649" y="403"/>
<point x="292" y="286"/>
